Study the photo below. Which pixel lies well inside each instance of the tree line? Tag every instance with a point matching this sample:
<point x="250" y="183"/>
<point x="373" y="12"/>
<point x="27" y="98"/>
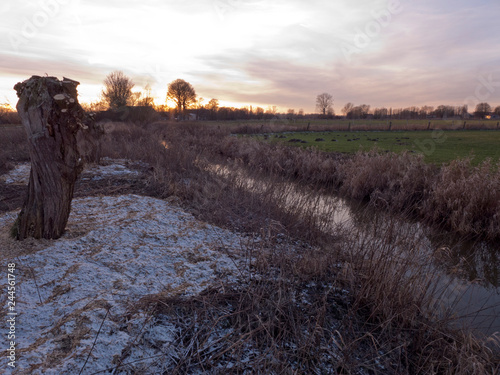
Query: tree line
<point x="482" y="110"/>
<point x="117" y="93"/>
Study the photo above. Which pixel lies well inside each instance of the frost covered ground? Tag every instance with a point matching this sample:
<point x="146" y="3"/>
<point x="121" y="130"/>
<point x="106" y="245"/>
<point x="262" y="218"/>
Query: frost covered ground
<point x="110" y="168"/>
<point x="77" y="297"/>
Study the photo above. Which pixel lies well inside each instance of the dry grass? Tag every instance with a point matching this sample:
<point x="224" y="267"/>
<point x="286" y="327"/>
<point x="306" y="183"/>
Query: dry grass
<point x="13" y="147"/>
<point x="8" y="116"/>
<point x="460" y="197"/>
<point x="259" y="326"/>
<point x="13" y="150"/>
<point x="396" y="181"/>
<point x="466" y="199"/>
<point x="302" y="310"/>
<point x="364" y="304"/>
<point x="397" y="293"/>
<point x="342" y="302"/>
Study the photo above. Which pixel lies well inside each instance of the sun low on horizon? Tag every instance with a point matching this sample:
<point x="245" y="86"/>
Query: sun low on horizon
<point x="260" y="53"/>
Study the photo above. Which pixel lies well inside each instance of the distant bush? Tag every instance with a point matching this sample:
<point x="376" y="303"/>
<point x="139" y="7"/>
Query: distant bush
<point x="8" y="116"/>
<point x="139" y="115"/>
<point x="13" y="147"/>
<point x="395" y="181"/>
<point x="459" y="197"/>
<point x="466" y="198"/>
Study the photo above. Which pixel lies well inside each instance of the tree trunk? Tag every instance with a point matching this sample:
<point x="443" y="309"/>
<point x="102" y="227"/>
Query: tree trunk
<point x="52" y="117"/>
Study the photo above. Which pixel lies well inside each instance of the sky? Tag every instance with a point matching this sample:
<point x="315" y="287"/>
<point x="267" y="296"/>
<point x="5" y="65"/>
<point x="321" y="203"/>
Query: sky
<point x="384" y="53"/>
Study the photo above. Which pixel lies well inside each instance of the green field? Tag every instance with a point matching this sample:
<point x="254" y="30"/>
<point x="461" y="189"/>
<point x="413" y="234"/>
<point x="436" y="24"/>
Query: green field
<point x="437" y="146"/>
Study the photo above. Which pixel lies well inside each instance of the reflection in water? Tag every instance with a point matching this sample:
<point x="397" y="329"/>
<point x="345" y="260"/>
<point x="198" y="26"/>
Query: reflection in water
<point x="469" y="290"/>
<point x="467" y="272"/>
<point x="475" y="261"/>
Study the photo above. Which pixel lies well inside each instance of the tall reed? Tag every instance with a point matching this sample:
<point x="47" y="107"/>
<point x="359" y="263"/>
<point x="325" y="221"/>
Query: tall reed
<point x="310" y="298"/>
<point x="341" y="301"/>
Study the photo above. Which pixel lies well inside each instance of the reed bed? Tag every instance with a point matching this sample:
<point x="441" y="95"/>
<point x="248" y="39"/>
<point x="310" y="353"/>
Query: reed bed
<point x="310" y="299"/>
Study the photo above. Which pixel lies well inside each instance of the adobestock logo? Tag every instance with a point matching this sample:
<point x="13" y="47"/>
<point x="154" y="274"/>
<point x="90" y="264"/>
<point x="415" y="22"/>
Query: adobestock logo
<point x="372" y="29"/>
<point x="428" y="146"/>
<point x="32" y="25"/>
<point x="158" y="72"/>
<point x="225" y="6"/>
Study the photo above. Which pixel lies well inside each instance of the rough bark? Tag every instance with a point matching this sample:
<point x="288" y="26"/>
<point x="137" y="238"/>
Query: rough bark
<point x="52" y="117"/>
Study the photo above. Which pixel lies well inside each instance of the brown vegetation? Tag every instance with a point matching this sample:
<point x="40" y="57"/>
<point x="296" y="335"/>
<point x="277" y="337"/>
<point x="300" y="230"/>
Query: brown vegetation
<point x="459" y="197"/>
<point x="310" y="300"/>
<point x="8" y="115"/>
<point x="367" y="304"/>
<point x="13" y="147"/>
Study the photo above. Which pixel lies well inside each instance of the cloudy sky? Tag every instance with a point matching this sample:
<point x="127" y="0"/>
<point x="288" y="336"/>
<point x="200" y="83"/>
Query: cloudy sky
<point x="389" y="53"/>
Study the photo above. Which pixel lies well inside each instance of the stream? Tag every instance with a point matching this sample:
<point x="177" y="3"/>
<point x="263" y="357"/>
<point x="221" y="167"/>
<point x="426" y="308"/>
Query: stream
<point x="468" y="272"/>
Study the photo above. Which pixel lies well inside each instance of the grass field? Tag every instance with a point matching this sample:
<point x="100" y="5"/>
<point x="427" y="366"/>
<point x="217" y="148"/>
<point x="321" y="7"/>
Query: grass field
<point x="438" y="146"/>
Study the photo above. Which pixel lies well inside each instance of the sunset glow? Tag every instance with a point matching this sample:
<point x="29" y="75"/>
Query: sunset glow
<point x="261" y="53"/>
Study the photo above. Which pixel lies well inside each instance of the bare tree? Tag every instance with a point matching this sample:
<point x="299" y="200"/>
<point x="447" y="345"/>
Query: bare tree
<point x="425" y="111"/>
<point x="497" y="110"/>
<point x="135" y="98"/>
<point x="359" y="112"/>
<point x="364" y="109"/>
<point x="347" y="108"/>
<point x="117" y="90"/>
<point x="324" y="103"/>
<point x="482" y="110"/>
<point x="259" y="112"/>
<point x="213" y="106"/>
<point x="182" y="93"/>
<point x="199" y="103"/>
<point x="147" y="99"/>
<point x="380" y="113"/>
<point x="272" y="110"/>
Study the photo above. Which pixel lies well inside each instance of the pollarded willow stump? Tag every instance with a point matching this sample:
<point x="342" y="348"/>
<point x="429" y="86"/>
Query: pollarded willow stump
<point x="52" y="117"/>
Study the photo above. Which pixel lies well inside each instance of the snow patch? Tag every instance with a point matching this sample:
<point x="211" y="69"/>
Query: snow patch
<point x="116" y="251"/>
<point x="20" y="175"/>
<point x="116" y="168"/>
